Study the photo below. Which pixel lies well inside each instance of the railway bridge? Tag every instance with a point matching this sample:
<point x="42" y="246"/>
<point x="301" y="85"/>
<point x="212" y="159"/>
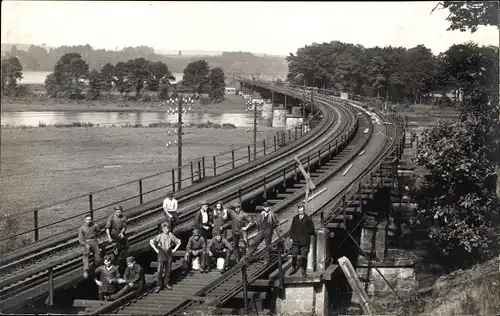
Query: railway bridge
<point x="351" y="156"/>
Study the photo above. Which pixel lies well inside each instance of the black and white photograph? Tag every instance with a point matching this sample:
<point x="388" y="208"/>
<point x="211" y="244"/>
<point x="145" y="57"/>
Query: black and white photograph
<point x="276" y="158"/>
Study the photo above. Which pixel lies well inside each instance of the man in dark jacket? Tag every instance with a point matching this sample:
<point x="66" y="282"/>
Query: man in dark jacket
<point x="301" y="230"/>
<point x="267" y="223"/>
<point x="133" y="278"/>
<point x="203" y="221"/>
<point x="219" y="218"/>
<point x="105" y="278"/>
<point x="218" y="247"/>
<point x="195" y="247"/>
<point x="238" y="221"/>
<point x="115" y="230"/>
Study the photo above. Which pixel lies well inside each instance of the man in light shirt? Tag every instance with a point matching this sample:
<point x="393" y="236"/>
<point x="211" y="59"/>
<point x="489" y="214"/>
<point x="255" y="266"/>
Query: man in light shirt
<point x="170" y="208"/>
<point x="164" y="244"/>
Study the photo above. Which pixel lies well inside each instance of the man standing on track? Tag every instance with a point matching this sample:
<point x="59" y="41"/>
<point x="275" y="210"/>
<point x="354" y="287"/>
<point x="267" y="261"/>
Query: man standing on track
<point x="219" y="218"/>
<point x="267" y="223"/>
<point x="239" y="220"/>
<point x="108" y="274"/>
<point x="163" y="244"/>
<point x="203" y="221"/>
<point x="301" y="230"/>
<point x="115" y="230"/>
<point x="87" y="237"/>
<point x="170" y="207"/>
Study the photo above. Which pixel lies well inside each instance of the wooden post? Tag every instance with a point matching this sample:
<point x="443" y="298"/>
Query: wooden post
<point x="203" y="165"/>
<point x="91" y="206"/>
<point x="264" y="143"/>
<point x="249" y="159"/>
<point x="274" y="142"/>
<point x="51" y="287"/>
<point x="265" y="188"/>
<point x="199" y="170"/>
<point x="245" y="285"/>
<point x="215" y="165"/>
<point x="140" y="192"/>
<point x="192" y="172"/>
<point x="280" y="268"/>
<point x="173" y="180"/>
<point x="232" y="157"/>
<point x="35" y="218"/>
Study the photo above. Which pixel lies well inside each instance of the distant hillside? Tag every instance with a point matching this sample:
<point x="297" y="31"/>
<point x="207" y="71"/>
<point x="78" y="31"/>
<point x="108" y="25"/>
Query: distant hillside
<point x="40" y="58"/>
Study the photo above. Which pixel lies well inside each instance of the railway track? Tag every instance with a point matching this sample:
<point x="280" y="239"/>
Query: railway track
<point x="226" y="287"/>
<point x="25" y="277"/>
<point x="230" y="284"/>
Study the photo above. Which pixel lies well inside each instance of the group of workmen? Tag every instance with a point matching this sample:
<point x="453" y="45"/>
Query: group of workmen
<point x="208" y="243"/>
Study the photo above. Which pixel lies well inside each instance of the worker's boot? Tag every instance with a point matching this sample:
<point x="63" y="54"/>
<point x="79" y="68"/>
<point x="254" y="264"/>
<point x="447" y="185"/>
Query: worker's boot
<point x="304" y="266"/>
<point x="295" y="268"/>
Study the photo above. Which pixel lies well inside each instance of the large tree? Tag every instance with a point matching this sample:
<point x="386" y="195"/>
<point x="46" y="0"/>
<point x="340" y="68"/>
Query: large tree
<point x="217" y="84"/>
<point x="457" y="205"/>
<point x="70" y="73"/>
<point x="469" y="15"/>
<point x="12" y="71"/>
<point x="196" y="76"/>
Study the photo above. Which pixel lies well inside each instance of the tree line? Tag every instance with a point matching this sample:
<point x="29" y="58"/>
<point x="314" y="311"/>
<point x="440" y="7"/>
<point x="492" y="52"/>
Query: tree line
<point x="38" y="58"/>
<point x="71" y="77"/>
<point x="393" y="73"/>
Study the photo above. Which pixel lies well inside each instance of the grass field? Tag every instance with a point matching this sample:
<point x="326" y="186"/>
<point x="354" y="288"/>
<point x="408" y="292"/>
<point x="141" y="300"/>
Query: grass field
<point x="40" y="165"/>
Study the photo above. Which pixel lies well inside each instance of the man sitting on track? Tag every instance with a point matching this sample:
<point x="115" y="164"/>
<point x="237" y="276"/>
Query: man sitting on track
<point x="195" y="247"/>
<point x="218" y="247"/>
<point x="170" y="207"/>
<point x="107" y="273"/>
<point x="133" y="278"/>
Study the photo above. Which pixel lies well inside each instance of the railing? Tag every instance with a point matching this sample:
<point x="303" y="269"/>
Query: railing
<point x="140" y="191"/>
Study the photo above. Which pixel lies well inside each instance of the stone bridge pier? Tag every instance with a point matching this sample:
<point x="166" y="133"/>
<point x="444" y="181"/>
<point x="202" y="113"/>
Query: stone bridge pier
<point x="309" y="294"/>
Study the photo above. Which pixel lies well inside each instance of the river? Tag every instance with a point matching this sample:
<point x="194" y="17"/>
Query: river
<point x="120" y="118"/>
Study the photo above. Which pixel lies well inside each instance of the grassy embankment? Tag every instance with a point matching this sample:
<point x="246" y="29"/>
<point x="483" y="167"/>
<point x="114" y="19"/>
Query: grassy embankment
<point x="37" y="101"/>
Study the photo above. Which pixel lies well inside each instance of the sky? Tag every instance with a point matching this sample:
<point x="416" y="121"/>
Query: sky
<point x="276" y="28"/>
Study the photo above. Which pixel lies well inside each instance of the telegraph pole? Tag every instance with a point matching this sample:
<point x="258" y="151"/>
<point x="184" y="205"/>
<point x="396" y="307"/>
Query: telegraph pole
<point x="304" y="109"/>
<point x="179" y="102"/>
<point x="179" y="142"/>
<point x="254" y="128"/>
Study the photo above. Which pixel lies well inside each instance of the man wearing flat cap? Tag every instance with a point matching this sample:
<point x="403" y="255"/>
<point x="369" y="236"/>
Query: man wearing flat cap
<point x="133" y="278"/>
<point x="267" y="223"/>
<point x="164" y="244"/>
<point x="195" y="247"/>
<point x="218" y="247"/>
<point x="115" y="230"/>
<point x="203" y="220"/>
